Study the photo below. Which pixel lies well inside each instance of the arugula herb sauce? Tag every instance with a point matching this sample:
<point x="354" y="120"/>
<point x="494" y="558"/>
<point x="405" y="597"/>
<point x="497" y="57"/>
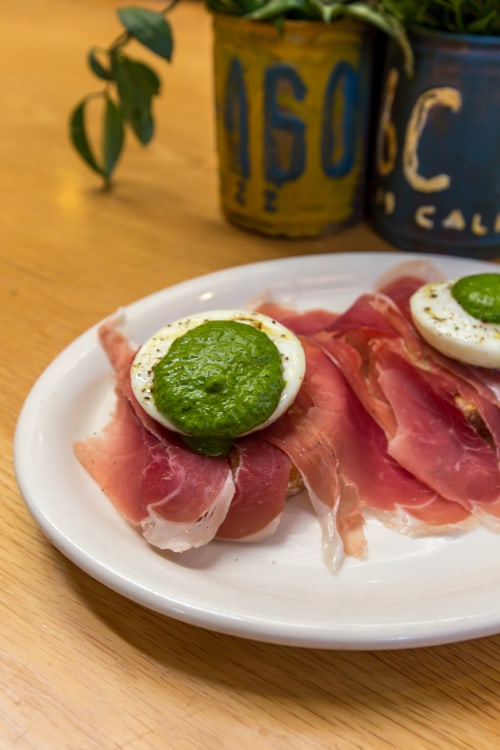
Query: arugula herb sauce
<point x="479" y="295"/>
<point x="217" y="381"/>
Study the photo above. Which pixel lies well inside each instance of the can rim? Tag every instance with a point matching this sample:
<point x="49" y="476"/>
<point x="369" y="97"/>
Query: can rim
<point x="449" y="38"/>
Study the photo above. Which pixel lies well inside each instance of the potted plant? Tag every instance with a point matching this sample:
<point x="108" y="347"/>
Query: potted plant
<point x="436" y="171"/>
<point x="293" y="87"/>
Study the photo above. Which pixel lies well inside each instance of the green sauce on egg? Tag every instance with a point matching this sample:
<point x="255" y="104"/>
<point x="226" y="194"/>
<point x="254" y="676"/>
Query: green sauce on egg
<point x="479" y="295"/>
<point x="217" y="381"/>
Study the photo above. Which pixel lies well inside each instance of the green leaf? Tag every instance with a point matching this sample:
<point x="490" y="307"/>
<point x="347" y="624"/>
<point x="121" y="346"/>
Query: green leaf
<point x="290" y="8"/>
<point x="137" y="84"/>
<point x="96" y="67"/>
<point x="483" y="25"/>
<point x="113" y="137"/>
<point x="386" y="23"/>
<point x="150" y="28"/>
<point x="79" y="138"/>
<point x="327" y="11"/>
<point x="234" y="7"/>
<point x="453" y="16"/>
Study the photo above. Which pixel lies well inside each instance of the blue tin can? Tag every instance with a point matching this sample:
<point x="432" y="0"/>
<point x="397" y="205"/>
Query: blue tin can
<point x="436" y="168"/>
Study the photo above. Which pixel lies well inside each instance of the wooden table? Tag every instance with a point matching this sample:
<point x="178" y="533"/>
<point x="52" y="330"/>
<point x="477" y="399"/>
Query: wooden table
<point x="82" y="667"/>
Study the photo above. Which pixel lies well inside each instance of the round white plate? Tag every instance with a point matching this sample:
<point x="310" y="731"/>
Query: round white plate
<point x="408" y="592"/>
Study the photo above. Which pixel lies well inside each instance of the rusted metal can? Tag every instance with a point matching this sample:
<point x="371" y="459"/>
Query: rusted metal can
<point x="436" y="185"/>
<point x="292" y="114"/>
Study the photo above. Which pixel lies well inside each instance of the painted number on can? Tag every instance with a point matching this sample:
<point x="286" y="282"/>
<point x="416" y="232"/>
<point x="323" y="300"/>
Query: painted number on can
<point x="425" y="215"/>
<point x="284" y="132"/>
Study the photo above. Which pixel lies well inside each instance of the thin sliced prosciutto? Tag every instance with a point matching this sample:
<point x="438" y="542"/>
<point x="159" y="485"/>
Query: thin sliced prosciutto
<point x="383" y="425"/>
<point x="180" y="499"/>
<point x="299" y="433"/>
<point x="177" y="498"/>
<point x="428" y="433"/>
<point x="366" y="476"/>
<point x="434" y="438"/>
<point x="261" y="477"/>
<point x="473" y="389"/>
<point x="303" y="323"/>
<point x="441" y="421"/>
<point x="436" y="419"/>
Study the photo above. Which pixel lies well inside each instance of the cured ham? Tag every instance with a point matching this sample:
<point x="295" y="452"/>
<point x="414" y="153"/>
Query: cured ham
<point x="441" y="418"/>
<point x="367" y="476"/>
<point x="383" y="425"/>
<point x="303" y="436"/>
<point x="163" y="487"/>
<point x="261" y="477"/>
<point x="433" y="438"/>
<point x="302" y="324"/>
<point x="436" y="420"/>
<point x="427" y="432"/>
<point x="180" y="499"/>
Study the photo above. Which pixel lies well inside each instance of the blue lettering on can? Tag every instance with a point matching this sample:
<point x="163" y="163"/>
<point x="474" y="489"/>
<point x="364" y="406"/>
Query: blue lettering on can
<point x="343" y="75"/>
<point x="240" y="192"/>
<point x="270" y="197"/>
<point x="284" y="132"/>
<point x="236" y="119"/>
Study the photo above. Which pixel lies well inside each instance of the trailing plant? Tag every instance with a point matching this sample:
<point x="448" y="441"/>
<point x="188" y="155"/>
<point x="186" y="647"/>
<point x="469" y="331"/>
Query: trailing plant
<point x="454" y="16"/>
<point x="129" y="86"/>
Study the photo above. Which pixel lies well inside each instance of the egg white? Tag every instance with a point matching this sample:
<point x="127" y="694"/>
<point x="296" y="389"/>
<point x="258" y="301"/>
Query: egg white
<point x="154" y="349"/>
<point x="446" y="326"/>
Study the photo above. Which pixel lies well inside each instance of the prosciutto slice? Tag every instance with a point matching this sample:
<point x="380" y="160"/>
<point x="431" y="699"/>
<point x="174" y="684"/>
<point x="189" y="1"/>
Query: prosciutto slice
<point x="433" y="438"/>
<point x="441" y="421"/>
<point x="180" y="499"/>
<point x="301" y="434"/>
<point x="473" y="389"/>
<point x="436" y="420"/>
<point x="383" y="425"/>
<point x="261" y="476"/>
<point x="368" y="477"/>
<point x="302" y="324"/>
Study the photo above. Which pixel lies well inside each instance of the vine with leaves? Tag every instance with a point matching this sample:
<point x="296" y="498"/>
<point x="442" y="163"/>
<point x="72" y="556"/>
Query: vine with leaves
<point x="130" y="85"/>
<point x="477" y="17"/>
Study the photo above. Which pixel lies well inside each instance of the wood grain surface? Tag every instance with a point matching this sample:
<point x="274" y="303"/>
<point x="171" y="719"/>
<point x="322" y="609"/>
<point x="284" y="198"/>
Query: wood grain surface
<point x="82" y="668"/>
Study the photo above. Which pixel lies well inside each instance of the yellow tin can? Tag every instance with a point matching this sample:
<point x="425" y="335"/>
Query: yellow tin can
<point x="292" y="117"/>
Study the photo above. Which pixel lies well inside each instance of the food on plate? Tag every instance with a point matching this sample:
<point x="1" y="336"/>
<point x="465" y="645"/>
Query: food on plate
<point x="461" y="318"/>
<point x="179" y="497"/>
<point x="382" y="424"/>
<point x="218" y="375"/>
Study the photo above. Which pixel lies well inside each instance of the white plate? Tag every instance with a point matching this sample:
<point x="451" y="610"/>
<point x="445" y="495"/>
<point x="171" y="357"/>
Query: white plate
<point x="408" y="592"/>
